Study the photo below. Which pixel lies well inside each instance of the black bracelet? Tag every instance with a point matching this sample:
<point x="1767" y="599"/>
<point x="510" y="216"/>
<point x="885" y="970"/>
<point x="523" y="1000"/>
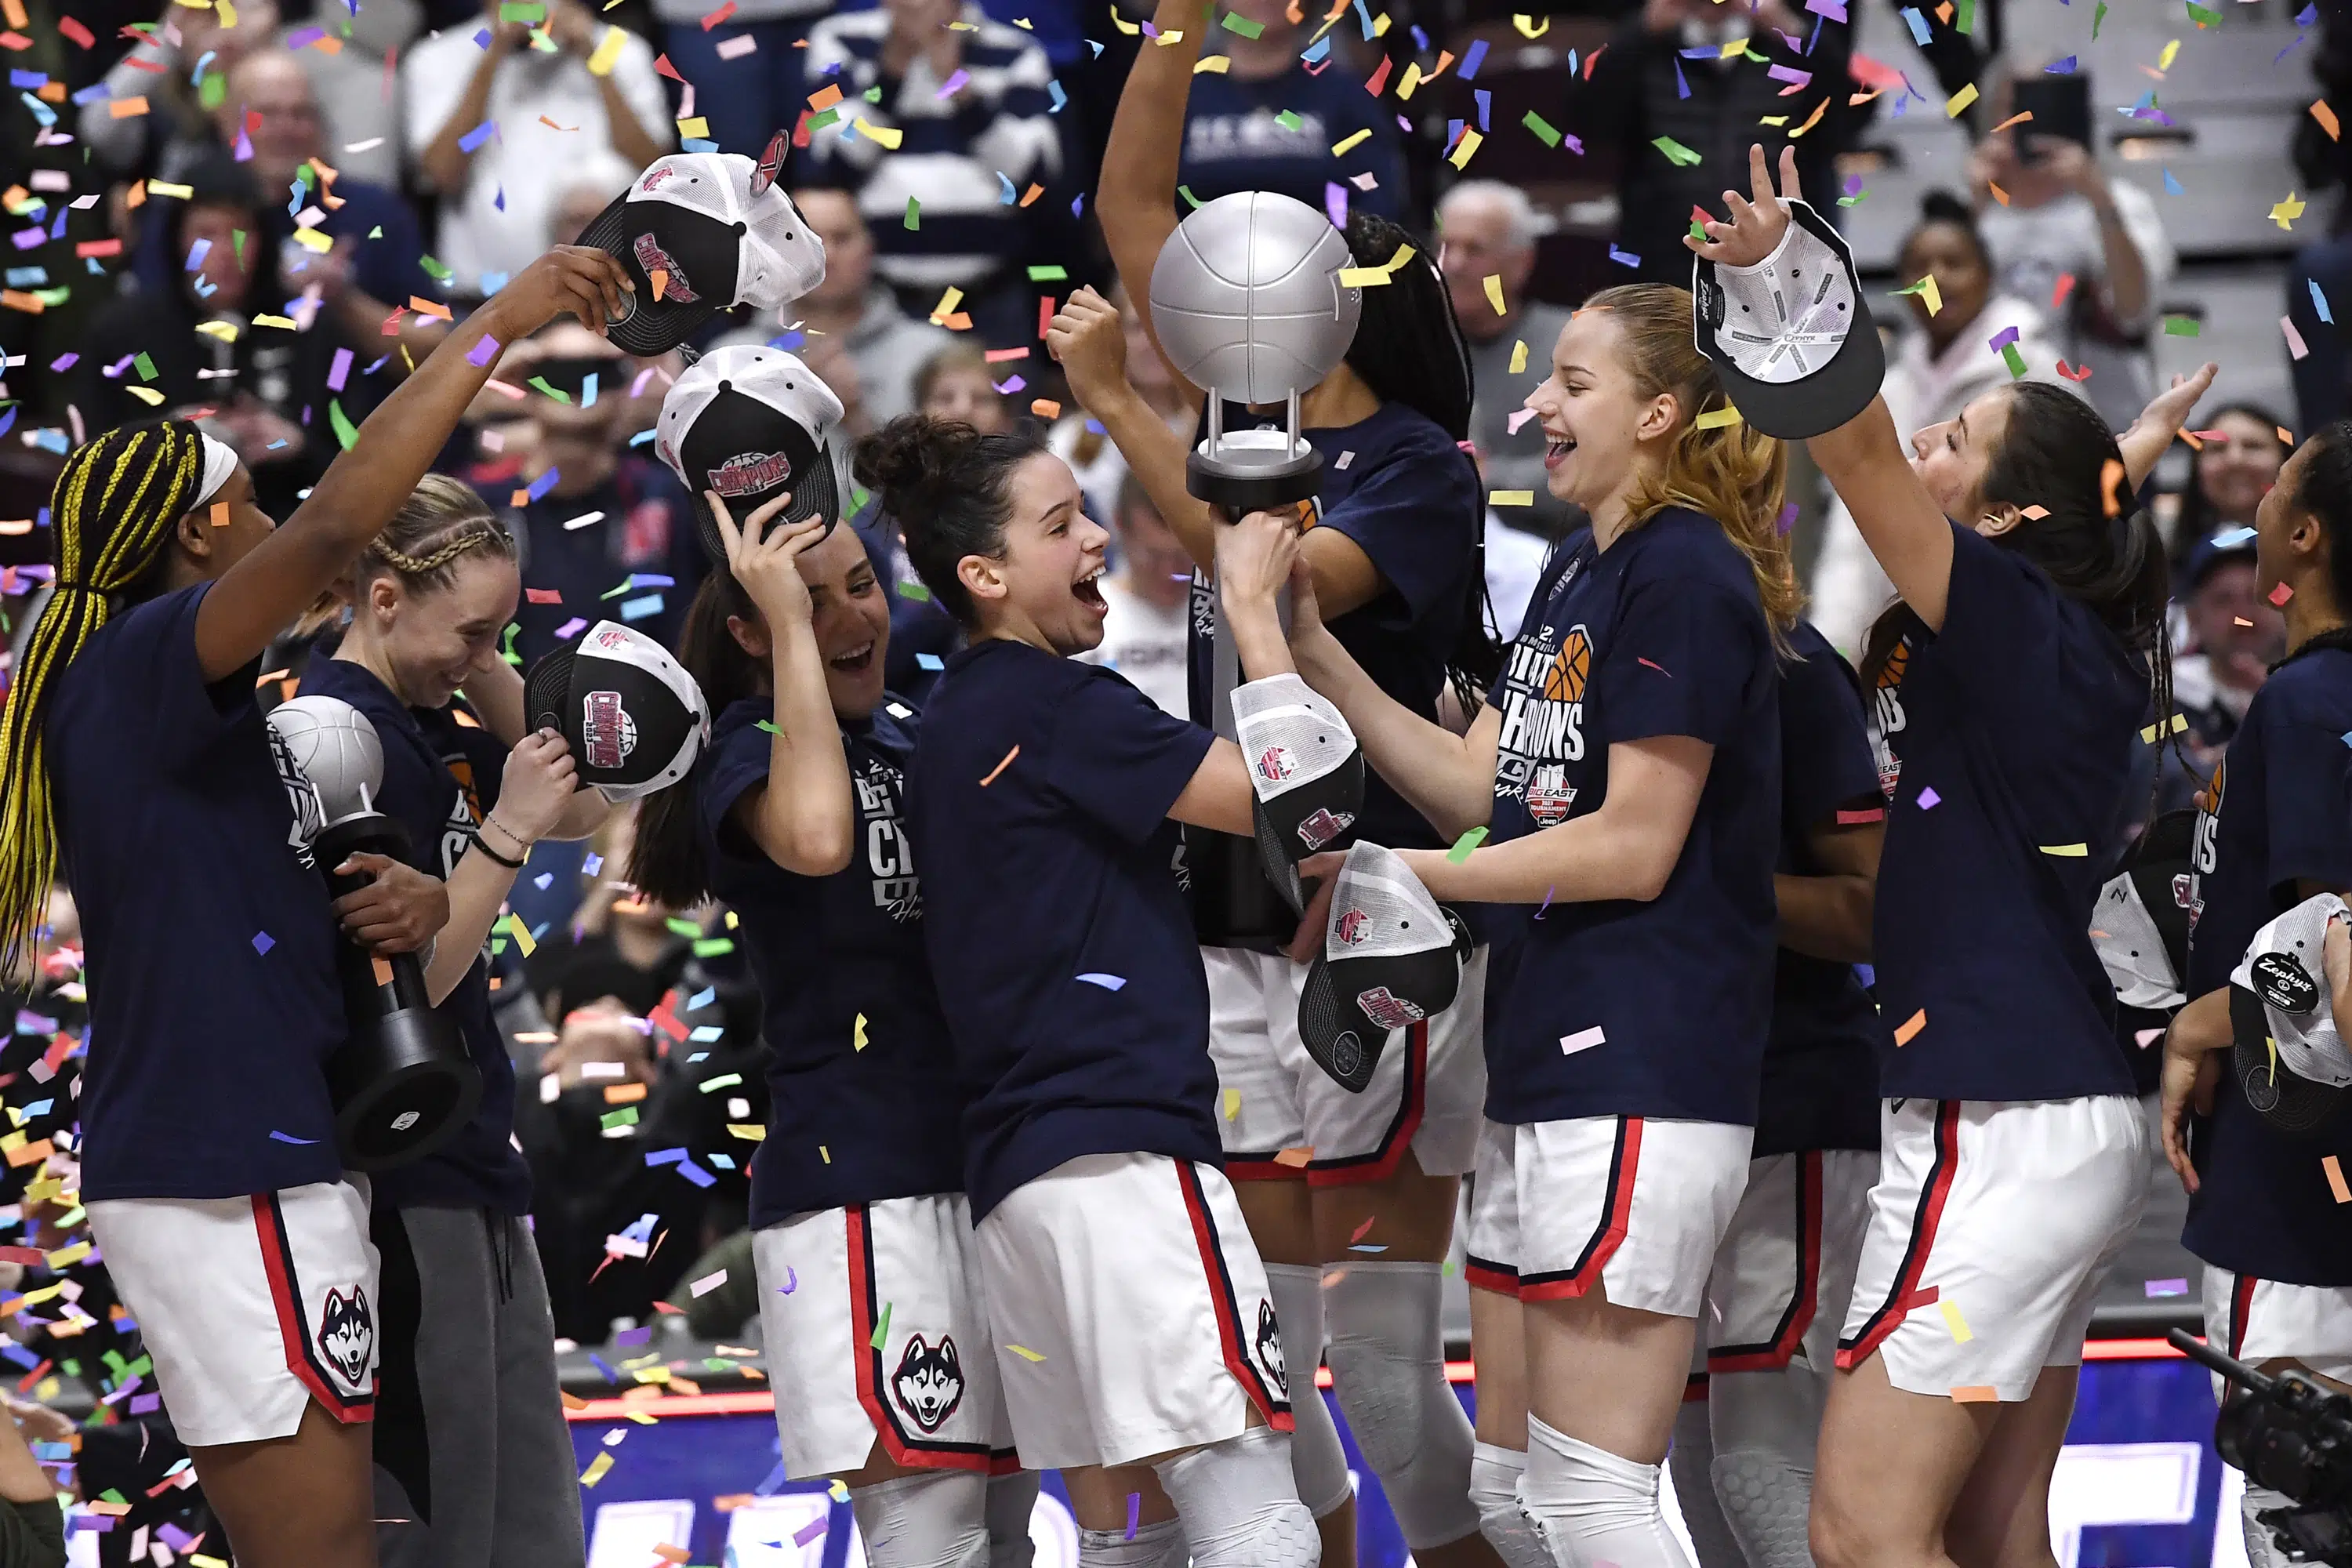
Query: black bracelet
<point x="483" y="844"/>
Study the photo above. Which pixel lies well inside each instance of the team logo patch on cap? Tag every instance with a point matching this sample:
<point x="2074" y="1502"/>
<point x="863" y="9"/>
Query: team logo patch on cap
<point x="1352" y="927"/>
<point x="1390" y="1011"/>
<point x="749" y="473"/>
<point x="654" y="259"/>
<point x="2281" y="982"/>
<point x="346" y="1334"/>
<point x="655" y="176"/>
<point x="929" y="1384"/>
<point x="1324" y="827"/>
<point x="771" y="163"/>
<point x="607" y="731"/>
<point x="1276" y="763"/>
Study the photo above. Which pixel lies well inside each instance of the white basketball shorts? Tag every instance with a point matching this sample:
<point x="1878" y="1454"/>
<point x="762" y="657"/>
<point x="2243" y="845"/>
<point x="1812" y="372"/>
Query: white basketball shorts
<point x="1991" y="1226"/>
<point x="1636" y="1205"/>
<point x="252" y="1307"/>
<point x="877" y="1339"/>
<point x="1784" y="1273"/>
<point x="1130" y="1312"/>
<point x="1427" y="1094"/>
<point x="2260" y="1320"/>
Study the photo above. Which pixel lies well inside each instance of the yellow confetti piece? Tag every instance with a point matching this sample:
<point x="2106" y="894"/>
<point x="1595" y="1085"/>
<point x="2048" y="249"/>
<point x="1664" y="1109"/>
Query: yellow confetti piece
<point x="598" y="1468"/>
<point x="1341" y="149"/>
<point x="2171" y="52"/>
<point x="1471" y="142"/>
<point x="749" y="1131"/>
<point x="858" y="1039"/>
<point x="313" y="240"/>
<point x="1411" y="80"/>
<point x="608" y="52"/>
<point x="1732" y="50"/>
<point x="66" y="1256"/>
<point x="886" y="135"/>
<point x="1212" y="65"/>
<point x="1493" y="283"/>
<point x="2284" y="213"/>
<point x="697" y="127"/>
<point x="1511" y="498"/>
<point x="1717" y="419"/>
<point x="1954" y="1321"/>
<point x="1930" y="296"/>
<point x="160" y="188"/>
<point x="1024" y="1353"/>
<point x="2179" y="723"/>
<point x="1165" y="39"/>
<point x="1908" y="1030"/>
<point x="521" y="934"/>
<point x="220" y="329"/>
<point x="1529" y="27"/>
<point x="946" y="306"/>
<point x="284" y="321"/>
<point x="826" y="1153"/>
<point x="1362" y="277"/>
<point x="1122" y="24"/>
<point x="1519" y="356"/>
<point x="146" y="394"/>
<point x="1958" y="102"/>
<point x="1232" y="1103"/>
<point x="2067" y="851"/>
<point x="1812" y="119"/>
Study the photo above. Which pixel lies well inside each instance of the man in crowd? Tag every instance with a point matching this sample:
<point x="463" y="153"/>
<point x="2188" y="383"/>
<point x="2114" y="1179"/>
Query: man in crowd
<point x="1487" y="230"/>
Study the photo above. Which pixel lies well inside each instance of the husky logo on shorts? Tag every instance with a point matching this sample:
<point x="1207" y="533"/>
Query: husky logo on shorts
<point x="606" y="730"/>
<point x="1269" y="1348"/>
<point x="1389" y="1012"/>
<point x="347" y="1335"/>
<point x="1352" y="927"/>
<point x="1324" y="827"/>
<point x="929" y="1382"/>
<point x="1276" y="763"/>
<point x="654" y="259"/>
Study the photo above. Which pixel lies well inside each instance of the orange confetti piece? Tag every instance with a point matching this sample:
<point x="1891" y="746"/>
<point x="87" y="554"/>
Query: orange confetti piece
<point x="1998" y="193"/>
<point x="1031" y="194"/>
<point x="382" y="968"/>
<point x="1976" y="1394"/>
<point x="14" y="11"/>
<point x="2012" y="120"/>
<point x="552" y="125"/>
<point x="1812" y="119"/>
<point x="1908" y="1030"/>
<point x="999" y="767"/>
<point x="2035" y="513"/>
<point x="2326" y="118"/>
<point x="219" y="514"/>
<point x="1296" y="1158"/>
<point x="2112" y="485"/>
<point x="660" y="280"/>
<point x="434" y="308"/>
<point x="2336" y="1179"/>
<point x="127" y="107"/>
<point x="826" y="97"/>
<point x="623" y="1093"/>
<point x="2284" y="438"/>
<point x="1045" y="408"/>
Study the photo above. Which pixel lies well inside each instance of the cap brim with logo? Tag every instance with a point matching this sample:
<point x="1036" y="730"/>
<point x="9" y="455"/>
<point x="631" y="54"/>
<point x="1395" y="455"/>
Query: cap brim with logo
<point x="632" y="717"/>
<point x="2290" y="1062"/>
<point x="1391" y="958"/>
<point x="751" y="422"/>
<point x="719" y="234"/>
<point x="1791" y="336"/>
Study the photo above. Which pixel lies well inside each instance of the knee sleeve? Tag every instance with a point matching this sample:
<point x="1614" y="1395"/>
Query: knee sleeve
<point x="1158" y="1545"/>
<point x="1594" y="1506"/>
<point x="1387" y="1367"/>
<point x="1239" y="1506"/>
<point x="1495" y="1492"/>
<point x="1012" y="1499"/>
<point x="2262" y="1547"/>
<point x="1316" y="1460"/>
<point x="933" y="1521"/>
<point x="1766" y="1424"/>
<point x="1689" y="1463"/>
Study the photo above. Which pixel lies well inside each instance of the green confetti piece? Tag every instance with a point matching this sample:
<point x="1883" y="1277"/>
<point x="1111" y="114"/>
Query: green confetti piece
<point x="345" y="431"/>
<point x="882" y="1329"/>
<point x="915" y="591"/>
<point x="1697" y="230"/>
<point x="913" y="214"/>
<point x="376" y="233"/>
<point x="724" y="1080"/>
<point x="2015" y="361"/>
<point x="539" y="384"/>
<point x="1854" y="200"/>
<point x="145" y="367"/>
<point x="1189" y="199"/>
<point x="1288" y="119"/>
<point x="213" y="91"/>
<point x="2203" y="18"/>
<point x="507" y="649"/>
<point x="2098" y="17"/>
<point x="521" y="11"/>
<point x="1048" y="275"/>
<point x="434" y="270"/>
<point x="858" y="496"/>
<point x="820" y="121"/>
<point x="1677" y="154"/>
<point x="624" y="1116"/>
<point x="715" y="947"/>
<point x="1244" y="26"/>
<point x="1464" y="845"/>
<point x="1967" y="17"/>
<point x="874" y="95"/>
<point x="236" y="242"/>
<point x="683" y="928"/>
<point x="2182" y="327"/>
<point x="1542" y="128"/>
<point x="770" y="729"/>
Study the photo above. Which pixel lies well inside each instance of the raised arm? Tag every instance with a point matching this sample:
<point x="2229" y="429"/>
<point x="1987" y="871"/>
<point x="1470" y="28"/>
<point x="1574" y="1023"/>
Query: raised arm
<point x="1257" y="556"/>
<point x="283" y="575"/>
<point x="2145" y="443"/>
<point x="1135" y="202"/>
<point x="538" y="786"/>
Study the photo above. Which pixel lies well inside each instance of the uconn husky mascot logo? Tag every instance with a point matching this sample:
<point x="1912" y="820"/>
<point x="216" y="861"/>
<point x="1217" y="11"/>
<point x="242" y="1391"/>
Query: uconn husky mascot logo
<point x="1269" y="1348"/>
<point x="928" y="1382"/>
<point x="346" y="1335"/>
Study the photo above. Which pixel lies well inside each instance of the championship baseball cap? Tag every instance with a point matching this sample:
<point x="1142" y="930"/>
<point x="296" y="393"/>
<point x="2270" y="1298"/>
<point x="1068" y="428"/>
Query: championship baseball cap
<point x="1791" y="336"/>
<point x="1391" y="957"/>
<point x="2140" y="927"/>
<point x="1306" y="774"/>
<point x="720" y="233"/>
<point x="748" y="422"/>
<point x="632" y="717"/>
<point x="2291" y="1062"/>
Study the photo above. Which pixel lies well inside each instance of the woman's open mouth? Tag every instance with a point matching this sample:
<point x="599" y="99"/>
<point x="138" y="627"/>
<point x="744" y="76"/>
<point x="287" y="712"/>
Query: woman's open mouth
<point x="855" y="661"/>
<point x="1088" y="591"/>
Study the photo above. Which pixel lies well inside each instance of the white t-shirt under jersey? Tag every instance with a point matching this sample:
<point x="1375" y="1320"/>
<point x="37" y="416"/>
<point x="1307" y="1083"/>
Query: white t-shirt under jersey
<point x="1145" y="643"/>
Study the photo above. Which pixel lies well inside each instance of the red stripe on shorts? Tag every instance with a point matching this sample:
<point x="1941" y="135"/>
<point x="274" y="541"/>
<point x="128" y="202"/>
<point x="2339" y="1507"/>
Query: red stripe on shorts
<point x="1381" y="1162"/>
<point x="1906" y="1293"/>
<point x="868" y="1356"/>
<point x="2241" y="1312"/>
<point x="1221" y="1297"/>
<point x="1799" y="1316"/>
<point x="293" y="1325"/>
<point x="1492" y="1277"/>
<point x="1624" y="1165"/>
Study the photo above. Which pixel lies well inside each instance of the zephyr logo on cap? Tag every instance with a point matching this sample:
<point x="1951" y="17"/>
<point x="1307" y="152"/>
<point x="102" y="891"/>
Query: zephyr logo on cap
<point x="2281" y="982"/>
<point x="2290" y="1061"/>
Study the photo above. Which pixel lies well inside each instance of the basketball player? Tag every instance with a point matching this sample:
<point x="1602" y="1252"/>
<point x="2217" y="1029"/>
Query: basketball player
<point x="1628" y="767"/>
<point x="2274" y="828"/>
<point x="133" y="757"/>
<point x="468" y="1421"/>
<point x="879" y="1346"/>
<point x="1398" y="568"/>
<point x="1135" y="1334"/>
<point x="2011" y="681"/>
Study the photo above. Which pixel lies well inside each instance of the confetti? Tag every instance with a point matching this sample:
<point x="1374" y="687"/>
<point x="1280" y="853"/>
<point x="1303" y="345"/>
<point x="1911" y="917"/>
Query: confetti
<point x="1978" y="1393"/>
<point x="289" y="1138"/>
<point x="882" y="1329"/>
<point x="1511" y="498"/>
<point x="2279" y="595"/>
<point x="792" y="1281"/>
<point x="2336" y="1179"/>
<point x="2066" y="851"/>
<point x="1542" y="129"/>
<point x="1908" y="1030"/>
<point x="811" y="1530"/>
<point x="1107" y="982"/>
<point x="1024" y="1353"/>
<point x="263" y="942"/>
<point x="1958" y="102"/>
<point x="1930" y="295"/>
<point x="707" y="1283"/>
<point x="1232" y="1103"/>
<point x="2179" y="723"/>
<point x="1677" y="154"/>
<point x="2155" y="1287"/>
<point x="2326" y="118"/>
<point x="2283" y="214"/>
<point x="1583" y="1040"/>
<point x="2295" y="347"/>
<point x="856" y="1039"/>
<point x="1954" y="1321"/>
<point x="999" y="767"/>
<point x="1464" y="845"/>
<point x="603" y="1463"/>
<point x="1717" y="419"/>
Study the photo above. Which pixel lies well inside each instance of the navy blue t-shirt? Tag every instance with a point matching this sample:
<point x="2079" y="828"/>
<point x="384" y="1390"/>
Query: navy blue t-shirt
<point x="2277" y="812"/>
<point x="1661" y="634"/>
<point x="2009" y="737"/>
<point x="1277" y="134"/>
<point x="441" y="777"/>
<point x="850" y="1120"/>
<point x="1821" y="1066"/>
<point x="1397" y="484"/>
<point x="1059" y="933"/>
<point x="214" y="1001"/>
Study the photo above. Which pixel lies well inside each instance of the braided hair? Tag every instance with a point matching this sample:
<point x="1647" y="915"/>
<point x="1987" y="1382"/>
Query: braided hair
<point x="113" y="515"/>
<point x="443" y="521"/>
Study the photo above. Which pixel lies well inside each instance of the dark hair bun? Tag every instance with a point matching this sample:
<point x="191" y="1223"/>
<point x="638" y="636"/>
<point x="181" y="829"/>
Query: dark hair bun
<point x="908" y="460"/>
<point x="1943" y="206"/>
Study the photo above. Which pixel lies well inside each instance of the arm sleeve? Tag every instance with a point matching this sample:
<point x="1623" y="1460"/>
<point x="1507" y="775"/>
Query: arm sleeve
<point x="1416" y="517"/>
<point x="734" y="766"/>
<point x="2309" y="805"/>
<point x="32" y="1536"/>
<point x="1117" y="759"/>
<point x="155" y="656"/>
<point x="1679" y="662"/>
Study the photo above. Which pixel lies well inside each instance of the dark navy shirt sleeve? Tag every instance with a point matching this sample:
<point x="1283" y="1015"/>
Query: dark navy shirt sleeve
<point x="1680" y="663"/>
<point x="1398" y="516"/>
<point x="1117" y="758"/>
<point x="1824" y="741"/>
<point x="189" y="714"/>
<point x="736" y="761"/>
<point x="2309" y="808"/>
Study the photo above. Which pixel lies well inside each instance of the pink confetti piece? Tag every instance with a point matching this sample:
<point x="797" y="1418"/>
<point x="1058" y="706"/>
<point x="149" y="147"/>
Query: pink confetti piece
<point x="1661" y="668"/>
<point x="2295" y="347"/>
<point x="1519" y="419"/>
<point x="736" y="47"/>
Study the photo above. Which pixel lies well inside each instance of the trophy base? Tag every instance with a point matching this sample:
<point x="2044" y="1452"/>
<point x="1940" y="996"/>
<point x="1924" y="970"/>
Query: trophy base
<point x="402" y="1087"/>
<point x="1241" y="479"/>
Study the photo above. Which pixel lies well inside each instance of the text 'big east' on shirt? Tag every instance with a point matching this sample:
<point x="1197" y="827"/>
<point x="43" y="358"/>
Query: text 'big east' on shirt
<point x="1821" y="1066"/>
<point x="2276" y="813"/>
<point x="441" y="776"/>
<point x="2009" y="741"/>
<point x="1629" y="1009"/>
<point x="213" y="999"/>
<point x="1397" y="484"/>
<point x="864" y="1101"/>
<point x="1059" y="933"/>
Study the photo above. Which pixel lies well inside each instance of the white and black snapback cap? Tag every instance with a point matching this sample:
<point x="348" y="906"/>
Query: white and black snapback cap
<point x="750" y="422"/>
<point x="2289" y="1060"/>
<point x="2139" y="928"/>
<point x="1391" y="957"/>
<point x="720" y="233"/>
<point x="634" y="719"/>
<point x="1306" y="774"/>
<point x="1791" y="336"/>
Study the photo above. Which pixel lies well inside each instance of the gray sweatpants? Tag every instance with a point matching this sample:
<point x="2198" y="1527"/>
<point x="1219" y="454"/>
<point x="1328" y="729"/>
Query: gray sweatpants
<point x="473" y="1454"/>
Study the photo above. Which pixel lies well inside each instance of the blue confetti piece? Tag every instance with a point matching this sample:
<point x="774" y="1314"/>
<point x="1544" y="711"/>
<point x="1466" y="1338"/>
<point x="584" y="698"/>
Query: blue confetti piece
<point x="491" y="283"/>
<point x="1107" y="982"/>
<point x="663" y="1156"/>
<point x="41" y="112"/>
<point x="1317" y="50"/>
<point x="29" y="79"/>
<point x="262" y="940"/>
<point x="1681" y="86"/>
<point x="1006" y="194"/>
<point x="2063" y="67"/>
<point x="2345" y="737"/>
<point x="698" y="144"/>
<point x="772" y="1483"/>
<point x="1485" y="101"/>
<point x="1623" y="258"/>
<point x="2319" y="302"/>
<point x="696" y="1173"/>
<point x="602" y="1365"/>
<point x="472" y="139"/>
<point x="2306" y="16"/>
<point x="2172" y="185"/>
<point x="639" y="609"/>
<point x="588" y="390"/>
<point x="1420" y="42"/>
<point x="1918" y="24"/>
<point x="482" y="38"/>
<point x="2229" y="537"/>
<point x="930" y="661"/>
<point x="792" y="1282"/>
<point x="289" y="1138"/>
<point x="702" y="998"/>
<point x="542" y="879"/>
<point x="1471" y="61"/>
<point x="1059" y="97"/>
<point x="544" y="483"/>
<point x="592" y="866"/>
<point x="1097" y="48"/>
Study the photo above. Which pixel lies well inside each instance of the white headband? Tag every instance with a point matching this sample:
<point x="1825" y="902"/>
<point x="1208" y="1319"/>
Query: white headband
<point x="220" y="462"/>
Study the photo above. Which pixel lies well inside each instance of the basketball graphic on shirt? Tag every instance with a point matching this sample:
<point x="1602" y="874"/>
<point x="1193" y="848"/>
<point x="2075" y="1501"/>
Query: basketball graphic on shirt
<point x="1564" y="681"/>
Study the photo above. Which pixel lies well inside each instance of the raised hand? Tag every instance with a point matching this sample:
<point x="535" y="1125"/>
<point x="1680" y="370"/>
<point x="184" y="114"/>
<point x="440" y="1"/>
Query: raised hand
<point x="586" y="283"/>
<point x="768" y="564"/>
<point x="1758" y="220"/>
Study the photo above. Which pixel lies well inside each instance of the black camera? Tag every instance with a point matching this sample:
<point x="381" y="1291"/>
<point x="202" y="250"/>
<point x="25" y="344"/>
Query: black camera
<point x="2294" y="1437"/>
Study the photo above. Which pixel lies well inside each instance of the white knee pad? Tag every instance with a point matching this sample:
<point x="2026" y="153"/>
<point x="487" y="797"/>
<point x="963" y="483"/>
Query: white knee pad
<point x="931" y="1520"/>
<point x="1011" y="1500"/>
<point x="1690" y="1463"/>
<point x="1239" y="1505"/>
<point x="1158" y="1545"/>
<point x="1316" y="1460"/>
<point x="1594" y="1506"/>
<point x="1387" y="1367"/>
<point x="1766" y="1424"/>
<point x="1495" y="1475"/>
<point x="2261" y="1546"/>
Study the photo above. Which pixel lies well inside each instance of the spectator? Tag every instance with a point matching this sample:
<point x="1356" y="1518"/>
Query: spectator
<point x="2234" y="635"/>
<point x="1101" y="468"/>
<point x="161" y="67"/>
<point x="2238" y="461"/>
<point x="2064" y="218"/>
<point x="747" y="98"/>
<point x="1937" y="367"/>
<point x="584" y="188"/>
<point x="1487" y="229"/>
<point x="1148" y="595"/>
<point x="1268" y="123"/>
<point x="955" y="383"/>
<point x="932" y="202"/>
<point x="1642" y="87"/>
<point x="486" y="123"/>
<point x="350" y="84"/>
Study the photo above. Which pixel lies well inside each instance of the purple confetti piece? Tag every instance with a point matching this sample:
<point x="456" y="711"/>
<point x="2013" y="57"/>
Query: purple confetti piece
<point x="1107" y="982"/>
<point x="340" y="370"/>
<point x="1787" y="520"/>
<point x="486" y="351"/>
<point x="472" y="139"/>
<point x="263" y="942"/>
<point x="953" y="86"/>
<point x="1134" y="1512"/>
<point x="1928" y="798"/>
<point x="628" y="1338"/>
<point x="792" y="1281"/>
<point x="815" y="1527"/>
<point x="565" y="633"/>
<point x="1335" y="204"/>
<point x="2001" y="339"/>
<point x="2167" y="1288"/>
<point x="1008" y="387"/>
<point x="1789" y="74"/>
<point x="1833" y="9"/>
<point x="1485" y="101"/>
<point x="65" y="362"/>
<point x="289" y="1138"/>
<point x="304" y="37"/>
<point x="1623" y="258"/>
